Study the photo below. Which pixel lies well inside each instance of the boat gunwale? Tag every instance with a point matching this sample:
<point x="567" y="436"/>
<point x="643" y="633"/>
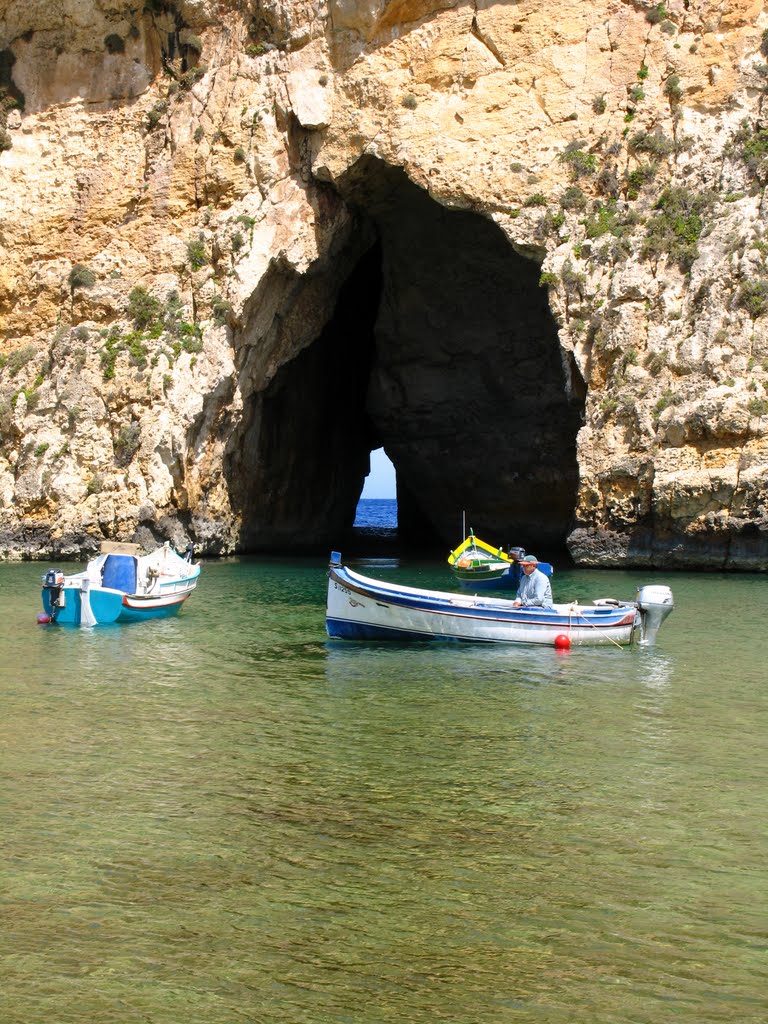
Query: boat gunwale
<point x="472" y="541"/>
<point x="156" y="600"/>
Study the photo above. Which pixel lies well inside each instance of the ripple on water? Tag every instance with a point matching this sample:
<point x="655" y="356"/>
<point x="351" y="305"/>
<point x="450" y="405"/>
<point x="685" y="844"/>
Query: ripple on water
<point x="227" y="818"/>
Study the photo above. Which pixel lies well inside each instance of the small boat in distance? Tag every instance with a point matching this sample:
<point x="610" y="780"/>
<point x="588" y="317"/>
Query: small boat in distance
<point x="361" y="608"/>
<point x="120" y="585"/>
<point x="479" y="566"/>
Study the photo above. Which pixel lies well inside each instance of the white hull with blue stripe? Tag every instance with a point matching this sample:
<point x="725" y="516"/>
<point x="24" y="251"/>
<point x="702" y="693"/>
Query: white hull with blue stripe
<point x="361" y="608"/>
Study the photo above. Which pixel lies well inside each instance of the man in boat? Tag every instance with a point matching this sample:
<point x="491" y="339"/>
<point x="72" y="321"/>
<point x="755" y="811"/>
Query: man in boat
<point x="534" y="589"/>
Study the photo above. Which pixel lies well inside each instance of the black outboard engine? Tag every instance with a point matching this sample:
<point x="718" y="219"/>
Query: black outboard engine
<point x="654" y="603"/>
<point x="189" y="552"/>
<point x="53" y="582"/>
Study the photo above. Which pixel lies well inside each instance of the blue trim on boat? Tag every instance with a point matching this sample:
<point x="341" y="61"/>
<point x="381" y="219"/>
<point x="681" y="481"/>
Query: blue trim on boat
<point x="484" y="610"/>
<point x="180" y="582"/>
<point x="341" y="629"/>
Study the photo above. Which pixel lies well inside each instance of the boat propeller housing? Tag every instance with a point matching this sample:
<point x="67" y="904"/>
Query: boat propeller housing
<point x="654" y="603"/>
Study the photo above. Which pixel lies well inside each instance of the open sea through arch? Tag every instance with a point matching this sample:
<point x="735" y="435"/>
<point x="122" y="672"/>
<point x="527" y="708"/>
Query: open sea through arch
<point x="377" y="513"/>
<point x="226" y="818"/>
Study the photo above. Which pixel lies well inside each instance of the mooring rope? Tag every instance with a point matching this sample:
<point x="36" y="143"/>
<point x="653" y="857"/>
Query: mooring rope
<point x="607" y="637"/>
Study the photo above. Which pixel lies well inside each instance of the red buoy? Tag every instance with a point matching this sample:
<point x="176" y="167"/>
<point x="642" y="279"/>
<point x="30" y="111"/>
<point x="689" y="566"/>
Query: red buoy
<point x="43" y="618"/>
<point x="562" y="642"/>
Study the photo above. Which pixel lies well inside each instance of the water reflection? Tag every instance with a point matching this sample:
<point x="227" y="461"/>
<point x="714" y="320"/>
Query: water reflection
<point x="482" y="665"/>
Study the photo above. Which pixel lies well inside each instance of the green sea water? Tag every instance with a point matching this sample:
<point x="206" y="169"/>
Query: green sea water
<point x="225" y="818"/>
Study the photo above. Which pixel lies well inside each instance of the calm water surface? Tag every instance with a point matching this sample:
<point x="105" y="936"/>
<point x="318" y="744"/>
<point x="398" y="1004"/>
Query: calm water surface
<point x="226" y="818"/>
<point x="377" y="512"/>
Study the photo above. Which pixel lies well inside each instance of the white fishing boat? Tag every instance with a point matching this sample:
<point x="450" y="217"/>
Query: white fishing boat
<point x="361" y="608"/>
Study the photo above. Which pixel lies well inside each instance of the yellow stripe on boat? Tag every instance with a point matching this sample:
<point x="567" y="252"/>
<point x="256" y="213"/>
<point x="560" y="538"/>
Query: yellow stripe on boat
<point x="474" y="542"/>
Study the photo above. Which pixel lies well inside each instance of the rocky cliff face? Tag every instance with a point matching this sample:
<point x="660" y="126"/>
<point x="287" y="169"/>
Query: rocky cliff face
<point x="520" y="245"/>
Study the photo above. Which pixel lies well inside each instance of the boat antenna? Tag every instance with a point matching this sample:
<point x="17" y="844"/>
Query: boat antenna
<point x="464" y="523"/>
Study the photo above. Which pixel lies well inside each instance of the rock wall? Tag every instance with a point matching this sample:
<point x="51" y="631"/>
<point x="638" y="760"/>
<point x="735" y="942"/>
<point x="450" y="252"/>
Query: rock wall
<point x="209" y="283"/>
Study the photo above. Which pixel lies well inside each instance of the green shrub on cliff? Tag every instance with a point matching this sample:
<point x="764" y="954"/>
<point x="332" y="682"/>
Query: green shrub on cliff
<point x="189" y="78"/>
<point x="81" y="277"/>
<point x="17" y="360"/>
<point x="673" y="89"/>
<point x="675" y="229"/>
<point x="108" y="355"/>
<point x="197" y="257"/>
<point x="137" y="349"/>
<point x="753" y="296"/>
<point x="604" y="220"/>
<point x="578" y="162"/>
<point x="6" y="416"/>
<point x="157" y="112"/>
<point x="127" y="443"/>
<point x="221" y="309"/>
<point x="656" y="143"/>
<point x="191" y="337"/>
<point x="667" y="398"/>
<point x="641" y="175"/>
<point x="573" y="198"/>
<point x="751" y="144"/>
<point x="144" y="309"/>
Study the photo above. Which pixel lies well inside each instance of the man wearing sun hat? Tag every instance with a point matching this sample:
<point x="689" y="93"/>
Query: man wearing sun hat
<point x="534" y="589"/>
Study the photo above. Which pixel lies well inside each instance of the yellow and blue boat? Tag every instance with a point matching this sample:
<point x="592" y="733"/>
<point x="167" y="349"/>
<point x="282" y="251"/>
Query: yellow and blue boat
<point x="477" y="565"/>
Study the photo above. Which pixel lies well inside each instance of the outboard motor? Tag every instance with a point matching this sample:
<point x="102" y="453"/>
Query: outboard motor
<point x="53" y="582"/>
<point x="654" y="603"/>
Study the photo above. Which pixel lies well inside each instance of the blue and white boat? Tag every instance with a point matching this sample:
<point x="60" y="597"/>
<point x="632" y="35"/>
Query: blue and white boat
<point x="361" y="608"/>
<point x="120" y="585"/>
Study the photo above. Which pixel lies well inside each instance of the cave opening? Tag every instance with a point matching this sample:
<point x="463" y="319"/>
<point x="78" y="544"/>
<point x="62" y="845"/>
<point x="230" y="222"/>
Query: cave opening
<point x="375" y="524"/>
<point x="440" y="348"/>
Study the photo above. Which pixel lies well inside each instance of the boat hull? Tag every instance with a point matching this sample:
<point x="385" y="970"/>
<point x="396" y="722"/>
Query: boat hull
<point x="359" y="608"/>
<point x="136" y="609"/>
<point x="106" y="604"/>
<point x="490" y="577"/>
<point x="112" y="606"/>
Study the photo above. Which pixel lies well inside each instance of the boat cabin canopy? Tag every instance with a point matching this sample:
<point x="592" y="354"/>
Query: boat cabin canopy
<point x="119" y="573"/>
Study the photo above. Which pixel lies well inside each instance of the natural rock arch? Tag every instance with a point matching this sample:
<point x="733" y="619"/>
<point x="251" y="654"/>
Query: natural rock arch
<point x="441" y="347"/>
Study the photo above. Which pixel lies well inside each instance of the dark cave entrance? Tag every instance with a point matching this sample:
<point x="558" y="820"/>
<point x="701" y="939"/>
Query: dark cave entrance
<point x="442" y="349"/>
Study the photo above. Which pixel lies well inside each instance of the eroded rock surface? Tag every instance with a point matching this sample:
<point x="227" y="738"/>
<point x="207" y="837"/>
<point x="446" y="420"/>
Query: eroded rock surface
<point x="519" y="245"/>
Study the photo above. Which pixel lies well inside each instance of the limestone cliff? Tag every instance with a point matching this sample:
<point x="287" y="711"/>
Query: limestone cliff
<point x="520" y="245"/>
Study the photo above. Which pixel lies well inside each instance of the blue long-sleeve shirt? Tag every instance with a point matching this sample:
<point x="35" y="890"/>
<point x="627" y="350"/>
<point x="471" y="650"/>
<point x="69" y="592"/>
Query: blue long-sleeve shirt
<point x="535" y="589"/>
